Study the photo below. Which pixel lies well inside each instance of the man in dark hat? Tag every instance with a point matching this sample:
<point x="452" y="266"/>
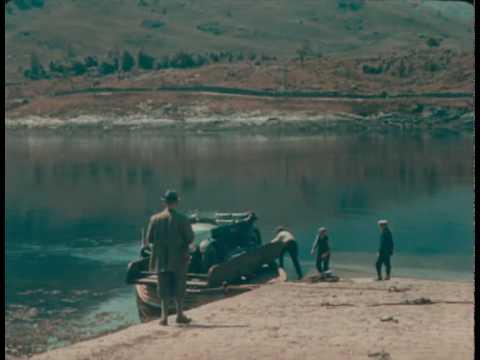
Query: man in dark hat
<point x="385" y="250"/>
<point x="283" y="235"/>
<point x="170" y="234"/>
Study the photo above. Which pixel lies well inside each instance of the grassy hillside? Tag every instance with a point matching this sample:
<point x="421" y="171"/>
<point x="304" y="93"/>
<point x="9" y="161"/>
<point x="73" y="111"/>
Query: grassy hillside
<point x="72" y="29"/>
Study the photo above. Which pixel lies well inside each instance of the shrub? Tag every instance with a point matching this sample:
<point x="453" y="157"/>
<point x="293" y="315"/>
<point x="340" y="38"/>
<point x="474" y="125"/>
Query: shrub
<point x="432" y="66"/>
<point x="23" y="4"/>
<point x="200" y="60"/>
<point x="373" y="70"/>
<point x="145" y="61"/>
<point x="36" y="70"/>
<point x="182" y="61"/>
<point x="214" y="57"/>
<point x="57" y="67"/>
<point x="432" y="42"/>
<point x="90" y="62"/>
<point x="164" y="62"/>
<point x="404" y="70"/>
<point x="78" y="68"/>
<point x="107" y="68"/>
<point x="152" y="24"/>
<point x="213" y="28"/>
<point x="37" y="3"/>
<point x="304" y="51"/>
<point x="352" y="5"/>
<point x="128" y="62"/>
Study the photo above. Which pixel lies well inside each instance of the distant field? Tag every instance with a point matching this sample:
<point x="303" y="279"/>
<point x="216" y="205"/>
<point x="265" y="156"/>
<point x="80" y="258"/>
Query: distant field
<point x="66" y="29"/>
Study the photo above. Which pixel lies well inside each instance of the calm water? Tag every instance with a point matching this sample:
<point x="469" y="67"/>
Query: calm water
<point x="75" y="206"/>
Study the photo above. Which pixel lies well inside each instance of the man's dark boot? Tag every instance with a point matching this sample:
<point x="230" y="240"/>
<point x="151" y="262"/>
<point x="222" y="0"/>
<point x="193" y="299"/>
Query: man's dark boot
<point x="164" y="318"/>
<point x="182" y="319"/>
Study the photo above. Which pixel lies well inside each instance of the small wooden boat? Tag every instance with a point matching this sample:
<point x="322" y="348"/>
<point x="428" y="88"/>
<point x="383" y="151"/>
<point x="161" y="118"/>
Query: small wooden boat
<point x="198" y="294"/>
<point x="227" y="258"/>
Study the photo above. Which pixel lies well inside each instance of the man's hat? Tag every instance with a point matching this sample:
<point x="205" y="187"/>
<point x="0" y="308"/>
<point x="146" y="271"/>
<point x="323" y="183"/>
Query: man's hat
<point x="322" y="229"/>
<point x="382" y="222"/>
<point x="170" y="196"/>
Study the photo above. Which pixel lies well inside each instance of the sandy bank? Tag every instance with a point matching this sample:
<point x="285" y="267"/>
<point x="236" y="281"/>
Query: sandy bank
<point x="351" y="319"/>
<point x="253" y="121"/>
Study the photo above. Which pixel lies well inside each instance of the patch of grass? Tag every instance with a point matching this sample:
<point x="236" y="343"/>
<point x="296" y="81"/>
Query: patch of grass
<point x="372" y="70"/>
<point x="432" y="42"/>
<point x="213" y="28"/>
<point x="153" y="24"/>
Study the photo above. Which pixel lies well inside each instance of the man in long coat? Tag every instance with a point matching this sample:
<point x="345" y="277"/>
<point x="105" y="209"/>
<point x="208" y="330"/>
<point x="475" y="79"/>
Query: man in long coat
<point x="170" y="234"/>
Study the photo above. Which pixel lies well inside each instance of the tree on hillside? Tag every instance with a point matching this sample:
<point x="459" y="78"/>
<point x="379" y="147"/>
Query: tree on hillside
<point x="114" y="56"/>
<point x="57" y="67"/>
<point x="22" y="4"/>
<point x="36" y="70"/>
<point x="107" y="68"/>
<point x="164" y="62"/>
<point x="432" y="42"/>
<point x="90" y="61"/>
<point x="304" y="51"/>
<point x="200" y="60"/>
<point x="78" y="68"/>
<point x="372" y="69"/>
<point x="128" y="62"/>
<point x="182" y="60"/>
<point x="214" y="57"/>
<point x="38" y="3"/>
<point x="353" y="5"/>
<point x="145" y="61"/>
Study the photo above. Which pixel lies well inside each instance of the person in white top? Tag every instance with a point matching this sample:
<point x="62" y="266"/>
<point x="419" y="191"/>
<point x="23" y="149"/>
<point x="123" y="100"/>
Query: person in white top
<point x="284" y="235"/>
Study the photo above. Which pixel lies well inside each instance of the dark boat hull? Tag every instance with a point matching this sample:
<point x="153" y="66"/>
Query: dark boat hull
<point x="148" y="303"/>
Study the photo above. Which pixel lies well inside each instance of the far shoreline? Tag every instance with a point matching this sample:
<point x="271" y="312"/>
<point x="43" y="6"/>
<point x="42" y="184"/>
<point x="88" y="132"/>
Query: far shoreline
<point x="248" y="123"/>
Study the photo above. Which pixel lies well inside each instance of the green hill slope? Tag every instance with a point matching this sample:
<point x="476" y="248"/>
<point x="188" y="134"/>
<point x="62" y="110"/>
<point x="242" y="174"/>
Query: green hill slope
<point x="69" y="29"/>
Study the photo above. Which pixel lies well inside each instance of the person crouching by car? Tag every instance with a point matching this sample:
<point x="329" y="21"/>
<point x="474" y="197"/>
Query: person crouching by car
<point x="322" y="248"/>
<point x="284" y="235"/>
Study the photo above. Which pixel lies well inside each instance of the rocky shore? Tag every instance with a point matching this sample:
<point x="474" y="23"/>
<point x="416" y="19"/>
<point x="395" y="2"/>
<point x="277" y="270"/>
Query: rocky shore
<point x="213" y="112"/>
<point x="350" y="319"/>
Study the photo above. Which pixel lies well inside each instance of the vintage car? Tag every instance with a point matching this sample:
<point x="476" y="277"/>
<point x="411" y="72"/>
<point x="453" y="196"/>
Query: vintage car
<point x="227" y="256"/>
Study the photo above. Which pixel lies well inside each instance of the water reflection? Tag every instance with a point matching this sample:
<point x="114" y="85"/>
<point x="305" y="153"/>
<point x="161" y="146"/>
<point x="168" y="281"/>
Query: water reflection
<point x="75" y="205"/>
<point x="59" y="189"/>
